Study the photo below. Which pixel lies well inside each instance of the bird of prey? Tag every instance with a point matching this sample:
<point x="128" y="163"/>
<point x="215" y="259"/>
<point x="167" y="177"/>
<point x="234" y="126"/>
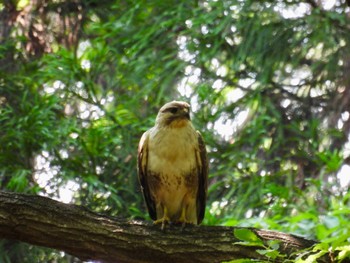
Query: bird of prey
<point x="173" y="167"/>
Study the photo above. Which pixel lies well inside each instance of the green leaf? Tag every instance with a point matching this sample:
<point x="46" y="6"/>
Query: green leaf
<point x="274" y="244"/>
<point x="344" y="252"/>
<point x="244" y="260"/>
<point x="248" y="236"/>
<point x="312" y="258"/>
<point x="19" y="181"/>
<point x="269" y="253"/>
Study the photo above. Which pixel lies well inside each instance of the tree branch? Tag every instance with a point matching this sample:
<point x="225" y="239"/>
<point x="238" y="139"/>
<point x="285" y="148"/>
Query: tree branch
<point x="312" y="3"/>
<point x="87" y="235"/>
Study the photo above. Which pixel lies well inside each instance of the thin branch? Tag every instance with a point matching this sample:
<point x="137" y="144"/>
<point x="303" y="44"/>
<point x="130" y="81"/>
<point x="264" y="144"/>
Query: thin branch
<point x="312" y="3"/>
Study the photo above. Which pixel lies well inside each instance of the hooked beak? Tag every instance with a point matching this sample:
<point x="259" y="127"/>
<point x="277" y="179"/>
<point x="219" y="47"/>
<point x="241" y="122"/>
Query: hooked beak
<point x="186" y="113"/>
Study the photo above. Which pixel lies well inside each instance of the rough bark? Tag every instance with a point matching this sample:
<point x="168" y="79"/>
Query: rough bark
<point x="87" y="235"/>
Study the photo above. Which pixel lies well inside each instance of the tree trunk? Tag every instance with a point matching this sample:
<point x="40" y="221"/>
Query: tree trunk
<point x="90" y="236"/>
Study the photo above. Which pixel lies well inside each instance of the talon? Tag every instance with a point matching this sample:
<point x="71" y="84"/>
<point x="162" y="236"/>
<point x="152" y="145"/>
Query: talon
<point x="182" y="220"/>
<point x="163" y="224"/>
<point x="164" y="220"/>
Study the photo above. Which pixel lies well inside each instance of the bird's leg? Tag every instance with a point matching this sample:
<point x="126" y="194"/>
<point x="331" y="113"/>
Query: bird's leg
<point x="182" y="218"/>
<point x="165" y="219"/>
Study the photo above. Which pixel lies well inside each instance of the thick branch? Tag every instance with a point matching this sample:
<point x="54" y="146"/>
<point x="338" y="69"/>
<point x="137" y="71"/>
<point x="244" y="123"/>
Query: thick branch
<point x="87" y="235"/>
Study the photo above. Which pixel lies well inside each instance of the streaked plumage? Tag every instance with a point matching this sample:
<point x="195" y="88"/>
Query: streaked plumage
<point x="173" y="168"/>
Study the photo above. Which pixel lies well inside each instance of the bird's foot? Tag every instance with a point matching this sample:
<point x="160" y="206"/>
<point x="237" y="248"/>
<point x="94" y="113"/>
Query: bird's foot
<point x="164" y="220"/>
<point x="182" y="220"/>
<point x="184" y="223"/>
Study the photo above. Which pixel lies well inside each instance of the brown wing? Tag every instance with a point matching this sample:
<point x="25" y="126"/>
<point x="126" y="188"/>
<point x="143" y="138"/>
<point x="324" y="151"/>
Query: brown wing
<point x="142" y="163"/>
<point x="202" y="168"/>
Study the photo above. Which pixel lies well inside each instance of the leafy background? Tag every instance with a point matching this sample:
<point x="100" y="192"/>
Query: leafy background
<point x="269" y="85"/>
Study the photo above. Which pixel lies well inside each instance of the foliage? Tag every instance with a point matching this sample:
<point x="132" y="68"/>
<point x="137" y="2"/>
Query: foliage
<point x="80" y="81"/>
<point x="269" y="250"/>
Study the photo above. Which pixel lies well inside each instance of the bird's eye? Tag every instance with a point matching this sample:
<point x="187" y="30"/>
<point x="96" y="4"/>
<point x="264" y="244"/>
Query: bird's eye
<point x="173" y="110"/>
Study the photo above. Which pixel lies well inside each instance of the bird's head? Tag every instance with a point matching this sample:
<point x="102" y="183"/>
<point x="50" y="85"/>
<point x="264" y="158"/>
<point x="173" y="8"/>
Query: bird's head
<point x="174" y="114"/>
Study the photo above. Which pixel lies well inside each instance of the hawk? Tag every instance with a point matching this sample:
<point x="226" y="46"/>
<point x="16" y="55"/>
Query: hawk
<point x="173" y="167"/>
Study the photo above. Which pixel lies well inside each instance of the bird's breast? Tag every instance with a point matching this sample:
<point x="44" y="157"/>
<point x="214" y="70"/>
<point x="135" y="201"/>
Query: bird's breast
<point x="172" y="150"/>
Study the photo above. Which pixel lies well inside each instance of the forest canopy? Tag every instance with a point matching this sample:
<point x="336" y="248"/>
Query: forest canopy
<point x="268" y="83"/>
